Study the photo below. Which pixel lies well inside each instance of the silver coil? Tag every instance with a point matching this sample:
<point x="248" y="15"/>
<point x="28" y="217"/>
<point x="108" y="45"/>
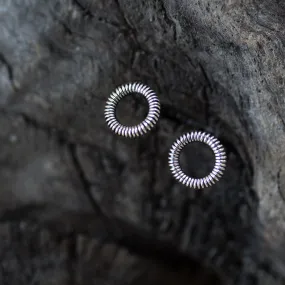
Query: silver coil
<point x="220" y="160"/>
<point x="147" y="124"/>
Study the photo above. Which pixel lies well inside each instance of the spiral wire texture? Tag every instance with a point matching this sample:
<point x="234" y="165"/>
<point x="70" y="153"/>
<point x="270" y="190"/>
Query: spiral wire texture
<point x="147" y="124"/>
<point x="220" y="160"/>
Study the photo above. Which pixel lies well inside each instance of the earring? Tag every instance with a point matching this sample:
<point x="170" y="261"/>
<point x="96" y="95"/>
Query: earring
<point x="146" y="125"/>
<point x="220" y="159"/>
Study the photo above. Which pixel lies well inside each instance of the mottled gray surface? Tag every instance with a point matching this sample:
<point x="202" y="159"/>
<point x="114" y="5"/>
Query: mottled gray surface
<point x="216" y="66"/>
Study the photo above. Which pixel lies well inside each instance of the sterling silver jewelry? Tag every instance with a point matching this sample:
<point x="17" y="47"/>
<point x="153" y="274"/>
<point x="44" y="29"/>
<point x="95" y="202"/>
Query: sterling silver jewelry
<point x="148" y="123"/>
<point x="220" y="159"/>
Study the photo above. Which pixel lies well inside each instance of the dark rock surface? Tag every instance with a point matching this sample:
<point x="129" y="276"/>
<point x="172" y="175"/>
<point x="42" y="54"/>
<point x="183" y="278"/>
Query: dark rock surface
<point x="75" y="197"/>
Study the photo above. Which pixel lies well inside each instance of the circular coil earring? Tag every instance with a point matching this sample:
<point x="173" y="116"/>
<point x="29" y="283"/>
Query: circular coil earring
<point x="147" y="124"/>
<point x="220" y="160"/>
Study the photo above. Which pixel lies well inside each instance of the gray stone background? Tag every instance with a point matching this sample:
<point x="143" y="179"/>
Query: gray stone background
<point x="80" y="205"/>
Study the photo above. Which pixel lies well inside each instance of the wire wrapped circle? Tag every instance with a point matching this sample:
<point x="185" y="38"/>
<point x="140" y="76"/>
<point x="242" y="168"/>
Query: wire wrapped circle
<point x="220" y="160"/>
<point x="147" y="124"/>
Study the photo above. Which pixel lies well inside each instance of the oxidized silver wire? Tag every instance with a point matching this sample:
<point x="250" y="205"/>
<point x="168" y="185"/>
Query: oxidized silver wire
<point x="147" y="124"/>
<point x="220" y="159"/>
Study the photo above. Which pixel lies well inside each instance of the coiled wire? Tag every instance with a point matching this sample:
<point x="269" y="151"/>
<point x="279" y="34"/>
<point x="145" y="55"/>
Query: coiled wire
<point x="213" y="143"/>
<point x="147" y="124"/>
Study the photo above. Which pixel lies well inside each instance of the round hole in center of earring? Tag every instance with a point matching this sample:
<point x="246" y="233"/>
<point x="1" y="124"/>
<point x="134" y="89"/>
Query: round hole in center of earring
<point x="132" y="109"/>
<point x="197" y="159"/>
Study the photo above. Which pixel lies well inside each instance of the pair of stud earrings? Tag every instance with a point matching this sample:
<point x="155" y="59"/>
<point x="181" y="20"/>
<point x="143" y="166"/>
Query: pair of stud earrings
<point x="150" y="121"/>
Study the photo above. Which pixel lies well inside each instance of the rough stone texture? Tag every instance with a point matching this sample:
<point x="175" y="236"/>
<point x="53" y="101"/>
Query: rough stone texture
<point x="216" y="66"/>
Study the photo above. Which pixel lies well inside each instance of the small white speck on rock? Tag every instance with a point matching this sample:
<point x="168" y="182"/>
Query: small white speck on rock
<point x="13" y="138"/>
